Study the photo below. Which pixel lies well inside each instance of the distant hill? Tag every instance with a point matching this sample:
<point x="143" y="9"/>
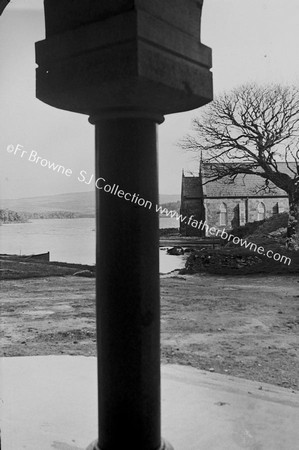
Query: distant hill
<point x="169" y="198"/>
<point x="81" y="203"/>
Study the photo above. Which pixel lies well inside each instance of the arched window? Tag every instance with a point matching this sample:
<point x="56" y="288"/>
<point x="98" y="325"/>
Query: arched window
<point x="223" y="214"/>
<point x="261" y="211"/>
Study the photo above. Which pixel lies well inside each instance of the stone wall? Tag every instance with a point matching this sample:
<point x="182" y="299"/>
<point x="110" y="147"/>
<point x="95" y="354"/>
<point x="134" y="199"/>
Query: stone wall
<point x="230" y="213"/>
<point x="270" y="207"/>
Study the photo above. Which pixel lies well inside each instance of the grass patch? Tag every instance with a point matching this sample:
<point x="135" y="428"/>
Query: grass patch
<point x="14" y="267"/>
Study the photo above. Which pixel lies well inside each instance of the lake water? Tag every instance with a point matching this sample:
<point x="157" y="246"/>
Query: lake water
<point x="67" y="240"/>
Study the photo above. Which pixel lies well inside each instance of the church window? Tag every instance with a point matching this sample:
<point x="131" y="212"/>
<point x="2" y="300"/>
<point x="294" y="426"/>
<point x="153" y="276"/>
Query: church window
<point x="223" y="214"/>
<point x="261" y="211"/>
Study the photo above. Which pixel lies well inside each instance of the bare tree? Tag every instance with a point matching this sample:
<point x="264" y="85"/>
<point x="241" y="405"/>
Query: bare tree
<point x="253" y="128"/>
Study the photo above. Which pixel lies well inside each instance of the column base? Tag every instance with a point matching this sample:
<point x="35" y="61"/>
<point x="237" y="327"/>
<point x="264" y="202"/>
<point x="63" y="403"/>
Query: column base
<point x="164" y="446"/>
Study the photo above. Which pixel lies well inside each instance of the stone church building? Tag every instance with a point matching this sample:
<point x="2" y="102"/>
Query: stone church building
<point x="226" y="204"/>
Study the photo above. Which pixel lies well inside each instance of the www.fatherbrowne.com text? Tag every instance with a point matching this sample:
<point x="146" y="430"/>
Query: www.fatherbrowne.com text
<point x="114" y="189"/>
<point x="223" y="234"/>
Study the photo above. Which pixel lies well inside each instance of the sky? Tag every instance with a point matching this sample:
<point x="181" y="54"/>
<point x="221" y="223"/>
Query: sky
<point x="254" y="40"/>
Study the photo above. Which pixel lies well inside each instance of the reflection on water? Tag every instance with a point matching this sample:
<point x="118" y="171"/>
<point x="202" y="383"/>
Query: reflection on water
<point x="68" y="240"/>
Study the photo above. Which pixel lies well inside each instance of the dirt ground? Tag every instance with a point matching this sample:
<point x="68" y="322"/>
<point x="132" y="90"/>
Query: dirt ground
<point x="242" y="326"/>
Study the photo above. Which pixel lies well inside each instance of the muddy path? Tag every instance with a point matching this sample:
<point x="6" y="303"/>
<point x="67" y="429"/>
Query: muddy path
<point x="242" y="326"/>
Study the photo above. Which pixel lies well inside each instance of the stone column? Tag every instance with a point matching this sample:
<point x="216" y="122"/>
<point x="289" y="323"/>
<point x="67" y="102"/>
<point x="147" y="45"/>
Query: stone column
<point x="3" y="4"/>
<point x="125" y="64"/>
<point x="128" y="309"/>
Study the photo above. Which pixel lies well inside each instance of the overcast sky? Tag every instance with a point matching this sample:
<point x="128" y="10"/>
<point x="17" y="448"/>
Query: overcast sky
<point x="254" y="40"/>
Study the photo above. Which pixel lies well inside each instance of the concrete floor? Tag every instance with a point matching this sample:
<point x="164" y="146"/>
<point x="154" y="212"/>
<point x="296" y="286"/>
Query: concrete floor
<point x="50" y="402"/>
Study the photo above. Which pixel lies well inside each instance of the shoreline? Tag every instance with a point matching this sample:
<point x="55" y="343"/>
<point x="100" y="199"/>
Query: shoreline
<point x="17" y="267"/>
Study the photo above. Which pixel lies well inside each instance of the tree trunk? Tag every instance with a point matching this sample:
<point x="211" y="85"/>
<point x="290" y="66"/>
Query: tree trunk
<point x="293" y="223"/>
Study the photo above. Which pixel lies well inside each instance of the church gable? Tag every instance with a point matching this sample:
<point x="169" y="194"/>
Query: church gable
<point x="191" y="204"/>
<point x="228" y="204"/>
<point x="191" y="187"/>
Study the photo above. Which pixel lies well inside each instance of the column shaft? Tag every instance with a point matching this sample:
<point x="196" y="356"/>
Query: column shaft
<point x="127" y="295"/>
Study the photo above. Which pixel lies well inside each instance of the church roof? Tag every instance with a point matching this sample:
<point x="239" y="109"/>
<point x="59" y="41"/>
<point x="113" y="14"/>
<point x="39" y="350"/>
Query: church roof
<point x="242" y="185"/>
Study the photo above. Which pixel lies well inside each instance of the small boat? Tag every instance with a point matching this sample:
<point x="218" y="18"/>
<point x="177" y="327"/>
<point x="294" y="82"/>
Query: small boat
<point x="39" y="256"/>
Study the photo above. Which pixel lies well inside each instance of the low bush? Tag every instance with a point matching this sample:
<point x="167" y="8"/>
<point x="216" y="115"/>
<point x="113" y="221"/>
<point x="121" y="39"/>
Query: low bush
<point x="240" y="261"/>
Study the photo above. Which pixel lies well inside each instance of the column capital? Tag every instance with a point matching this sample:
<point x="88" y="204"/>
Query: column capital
<point x="117" y="54"/>
<point x="126" y="114"/>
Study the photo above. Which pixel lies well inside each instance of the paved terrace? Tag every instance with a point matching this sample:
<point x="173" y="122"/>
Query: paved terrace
<point x="50" y="402"/>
